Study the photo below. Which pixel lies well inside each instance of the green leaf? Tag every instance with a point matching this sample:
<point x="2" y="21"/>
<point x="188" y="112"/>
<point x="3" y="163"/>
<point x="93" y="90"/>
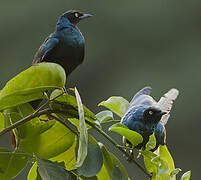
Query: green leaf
<point x="30" y="84"/>
<point x="51" y="171"/>
<point x="134" y="137"/>
<point x="89" y="178"/>
<point x="104" y="116"/>
<point x="150" y="166"/>
<point x="31" y="128"/>
<point x="51" y="143"/>
<point x="116" y="104"/>
<point x="68" y="105"/>
<point x="151" y="143"/>
<point x="68" y="157"/>
<point x="11" y="163"/>
<point x="83" y="138"/>
<point x="33" y="173"/>
<point x="1" y="121"/>
<point x="186" y="175"/>
<point x="103" y="174"/>
<point x="162" y="167"/>
<point x="159" y="163"/>
<point x="164" y="153"/>
<point x="94" y="160"/>
<point x="175" y="172"/>
<point x="113" y="166"/>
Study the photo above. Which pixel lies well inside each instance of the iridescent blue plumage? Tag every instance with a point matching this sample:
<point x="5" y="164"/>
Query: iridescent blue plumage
<point x="146" y="116"/>
<point x="66" y="45"/>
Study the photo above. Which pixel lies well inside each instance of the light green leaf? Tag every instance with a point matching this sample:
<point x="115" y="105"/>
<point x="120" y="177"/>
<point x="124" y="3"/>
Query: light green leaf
<point x="104" y="116"/>
<point x="164" y="153"/>
<point x="186" y="175"/>
<point x="134" y="137"/>
<point x="1" y="121"/>
<point x="30" y="84"/>
<point x="51" y="143"/>
<point x="116" y="104"/>
<point x="159" y="163"/>
<point x="103" y="174"/>
<point x="33" y="173"/>
<point x="51" y="171"/>
<point x="150" y="166"/>
<point x="151" y="143"/>
<point x="175" y="172"/>
<point x="83" y="138"/>
<point x="68" y="157"/>
<point x="11" y="163"/>
<point x="113" y="166"/>
<point x="94" y="160"/>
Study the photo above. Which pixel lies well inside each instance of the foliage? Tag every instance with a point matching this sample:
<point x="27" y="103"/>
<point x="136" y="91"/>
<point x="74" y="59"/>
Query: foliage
<point x="49" y="139"/>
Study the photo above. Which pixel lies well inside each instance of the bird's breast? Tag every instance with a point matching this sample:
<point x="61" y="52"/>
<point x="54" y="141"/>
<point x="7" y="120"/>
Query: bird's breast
<point x="72" y="37"/>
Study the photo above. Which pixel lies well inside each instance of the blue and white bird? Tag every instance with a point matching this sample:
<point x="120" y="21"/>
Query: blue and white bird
<point x="147" y="116"/>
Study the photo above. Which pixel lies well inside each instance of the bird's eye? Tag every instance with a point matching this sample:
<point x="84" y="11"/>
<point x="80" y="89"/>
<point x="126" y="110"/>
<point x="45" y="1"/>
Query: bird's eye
<point x="76" y="15"/>
<point x="150" y="112"/>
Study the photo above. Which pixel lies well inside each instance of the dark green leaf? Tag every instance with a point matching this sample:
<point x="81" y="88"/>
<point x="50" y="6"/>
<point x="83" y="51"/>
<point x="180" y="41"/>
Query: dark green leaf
<point x="51" y="143"/>
<point x="186" y="175"/>
<point x="51" y="171"/>
<point x="30" y="84"/>
<point x="83" y="138"/>
<point x="134" y="137"/>
<point x="115" y="169"/>
<point x="104" y="116"/>
<point x="11" y="163"/>
<point x="116" y="104"/>
<point x="89" y="178"/>
<point x="94" y="160"/>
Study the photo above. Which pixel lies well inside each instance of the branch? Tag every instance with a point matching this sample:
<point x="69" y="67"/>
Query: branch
<point x="118" y="147"/>
<point x="62" y="121"/>
<point x="24" y="120"/>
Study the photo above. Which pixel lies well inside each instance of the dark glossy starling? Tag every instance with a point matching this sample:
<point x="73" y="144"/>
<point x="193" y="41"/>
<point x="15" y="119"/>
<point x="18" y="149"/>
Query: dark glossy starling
<point x="146" y="116"/>
<point x="66" y="45"/>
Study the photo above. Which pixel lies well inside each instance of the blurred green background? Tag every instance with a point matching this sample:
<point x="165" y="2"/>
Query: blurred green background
<point x="129" y="45"/>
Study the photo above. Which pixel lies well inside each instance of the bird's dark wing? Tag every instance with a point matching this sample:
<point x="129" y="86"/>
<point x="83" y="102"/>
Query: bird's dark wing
<point x="142" y="98"/>
<point x="165" y="103"/>
<point x="46" y="47"/>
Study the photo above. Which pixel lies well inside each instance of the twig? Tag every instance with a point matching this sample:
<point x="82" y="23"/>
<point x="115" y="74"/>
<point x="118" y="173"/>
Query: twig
<point x="62" y="121"/>
<point x="24" y="120"/>
<point x="119" y="147"/>
<point x="37" y="113"/>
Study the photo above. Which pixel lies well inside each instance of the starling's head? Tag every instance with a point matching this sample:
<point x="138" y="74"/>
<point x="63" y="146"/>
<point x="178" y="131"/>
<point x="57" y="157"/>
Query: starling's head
<point x="75" y="16"/>
<point x="153" y="114"/>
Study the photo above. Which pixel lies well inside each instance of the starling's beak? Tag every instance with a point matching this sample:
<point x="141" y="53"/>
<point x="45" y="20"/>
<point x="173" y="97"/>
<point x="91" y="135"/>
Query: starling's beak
<point x="163" y="113"/>
<point x="85" y="16"/>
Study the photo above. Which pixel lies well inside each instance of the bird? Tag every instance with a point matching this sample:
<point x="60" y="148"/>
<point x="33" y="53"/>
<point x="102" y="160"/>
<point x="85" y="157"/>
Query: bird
<point x="147" y="116"/>
<point x="65" y="46"/>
